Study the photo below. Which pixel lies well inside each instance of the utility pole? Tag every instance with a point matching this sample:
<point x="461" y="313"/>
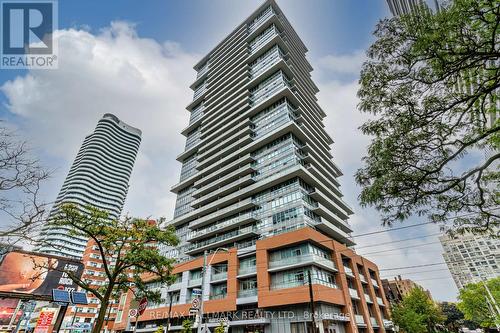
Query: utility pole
<point x="313" y="310"/>
<point x="203" y="270"/>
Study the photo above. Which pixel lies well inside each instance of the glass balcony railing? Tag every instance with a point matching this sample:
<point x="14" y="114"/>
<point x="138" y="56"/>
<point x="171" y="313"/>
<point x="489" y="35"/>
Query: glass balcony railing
<point x="368" y="298"/>
<point x="247" y="293"/>
<point x="247" y="270"/>
<point x="380" y="301"/>
<point x="353" y="293"/>
<point x="359" y="319"/>
<point x="348" y="271"/>
<point x="202" y="71"/>
<point x="193" y="140"/>
<point x="199" y="90"/>
<point x="218" y="296"/>
<point x="374" y="282"/>
<point x="194" y="282"/>
<point x="196" y="113"/>
<point x="265" y="61"/>
<point x="306" y="258"/>
<point x="225" y="236"/>
<point x="268" y="88"/>
<point x="287" y="284"/>
<point x="219" y="276"/>
<point x="259" y="20"/>
<point x="362" y="278"/>
<point x="220" y="225"/>
<point x="374" y="322"/>
<point x="263" y="38"/>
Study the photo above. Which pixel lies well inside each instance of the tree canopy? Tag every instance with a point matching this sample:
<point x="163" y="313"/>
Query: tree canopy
<point x="128" y="250"/>
<point x="432" y="86"/>
<point x="474" y="305"/>
<point x="416" y="313"/>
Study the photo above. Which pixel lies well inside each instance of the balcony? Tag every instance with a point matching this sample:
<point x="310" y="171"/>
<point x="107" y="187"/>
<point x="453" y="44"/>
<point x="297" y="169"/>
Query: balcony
<point x="348" y="271"/>
<point x="354" y="293"/>
<point x="380" y="301"/>
<point x="202" y="71"/>
<point x="362" y="278"/>
<point x="375" y="283"/>
<point x="192" y="140"/>
<point x="200" y="90"/>
<point x="374" y="322"/>
<point x="215" y="277"/>
<point x="218" y="296"/>
<point x="287" y="284"/>
<point x="247" y="270"/>
<point x="263" y="38"/>
<point x="194" y="282"/>
<point x="259" y="20"/>
<point x="388" y="323"/>
<point x="247" y="293"/>
<point x="232" y="222"/>
<point x="222" y="239"/>
<point x="368" y="299"/>
<point x="359" y="319"/>
<point x="268" y="88"/>
<point x="301" y="260"/>
<point x="265" y="61"/>
<point x="196" y="114"/>
<point x="175" y="286"/>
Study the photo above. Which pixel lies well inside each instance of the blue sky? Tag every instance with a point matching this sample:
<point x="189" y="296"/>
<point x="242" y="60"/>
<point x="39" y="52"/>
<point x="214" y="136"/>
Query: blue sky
<point x="135" y="58"/>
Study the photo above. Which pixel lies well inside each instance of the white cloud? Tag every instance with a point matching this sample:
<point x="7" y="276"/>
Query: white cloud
<point x="338" y="98"/>
<point x="344" y="63"/>
<point x="139" y="80"/>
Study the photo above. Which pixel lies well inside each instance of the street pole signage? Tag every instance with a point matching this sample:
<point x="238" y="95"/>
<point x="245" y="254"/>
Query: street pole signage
<point x="142" y="306"/>
<point x="45" y="320"/>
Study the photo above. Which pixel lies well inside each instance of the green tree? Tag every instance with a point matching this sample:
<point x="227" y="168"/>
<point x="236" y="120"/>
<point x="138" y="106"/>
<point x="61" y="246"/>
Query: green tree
<point x="187" y="326"/>
<point x="474" y="305"/>
<point x="431" y="84"/>
<point x="128" y="249"/>
<point x="454" y="318"/>
<point x="416" y="313"/>
<point x="220" y="328"/>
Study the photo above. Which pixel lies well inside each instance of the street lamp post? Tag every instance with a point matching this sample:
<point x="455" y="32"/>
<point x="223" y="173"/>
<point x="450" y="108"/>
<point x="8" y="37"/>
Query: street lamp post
<point x="204" y="269"/>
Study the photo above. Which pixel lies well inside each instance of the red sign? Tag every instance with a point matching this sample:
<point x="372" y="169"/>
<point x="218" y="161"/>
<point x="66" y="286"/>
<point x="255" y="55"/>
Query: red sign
<point x="142" y="305"/>
<point x="45" y="320"/>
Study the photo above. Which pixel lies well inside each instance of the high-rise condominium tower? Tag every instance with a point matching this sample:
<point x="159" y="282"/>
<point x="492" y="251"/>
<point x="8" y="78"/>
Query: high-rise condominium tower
<point x="99" y="177"/>
<point x="259" y="187"/>
<point x="471" y="258"/>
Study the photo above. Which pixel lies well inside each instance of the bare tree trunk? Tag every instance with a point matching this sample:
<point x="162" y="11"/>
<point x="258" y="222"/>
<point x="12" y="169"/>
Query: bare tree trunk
<point x="102" y="310"/>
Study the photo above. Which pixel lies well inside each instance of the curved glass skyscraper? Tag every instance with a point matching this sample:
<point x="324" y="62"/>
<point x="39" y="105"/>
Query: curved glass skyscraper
<point x="99" y="177"/>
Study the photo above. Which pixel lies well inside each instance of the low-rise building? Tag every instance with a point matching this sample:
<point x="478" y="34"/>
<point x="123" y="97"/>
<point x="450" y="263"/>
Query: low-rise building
<point x="398" y="288"/>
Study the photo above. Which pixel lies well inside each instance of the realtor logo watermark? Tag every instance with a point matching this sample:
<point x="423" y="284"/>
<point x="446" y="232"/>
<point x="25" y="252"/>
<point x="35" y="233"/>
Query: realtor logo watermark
<point x="27" y="34"/>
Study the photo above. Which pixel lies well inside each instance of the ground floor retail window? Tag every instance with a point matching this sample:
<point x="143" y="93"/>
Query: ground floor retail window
<point x="301" y="327"/>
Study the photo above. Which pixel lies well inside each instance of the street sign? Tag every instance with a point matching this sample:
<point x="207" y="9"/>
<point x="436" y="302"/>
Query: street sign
<point x="132" y="313"/>
<point x="79" y="297"/>
<point x="142" y="305"/>
<point x="195" y="303"/>
<point x="196" y="291"/>
<point x="59" y="295"/>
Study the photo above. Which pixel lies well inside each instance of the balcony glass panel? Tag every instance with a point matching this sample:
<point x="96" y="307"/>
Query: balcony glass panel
<point x="202" y="70"/>
<point x="199" y="90"/>
<point x="225" y="236"/>
<point x="247" y="293"/>
<point x="193" y="138"/>
<point x="196" y="113"/>
<point x="265" y="61"/>
<point x="359" y="319"/>
<point x="260" y="19"/>
<point x="263" y="38"/>
<point x="268" y="87"/>
<point x="222" y="224"/>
